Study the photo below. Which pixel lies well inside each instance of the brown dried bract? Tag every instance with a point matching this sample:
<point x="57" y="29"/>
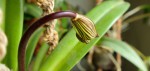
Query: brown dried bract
<point x="50" y="34"/>
<point x="3" y="44"/>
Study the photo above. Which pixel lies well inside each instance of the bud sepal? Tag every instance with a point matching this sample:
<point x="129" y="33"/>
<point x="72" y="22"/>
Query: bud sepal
<point x="85" y="29"/>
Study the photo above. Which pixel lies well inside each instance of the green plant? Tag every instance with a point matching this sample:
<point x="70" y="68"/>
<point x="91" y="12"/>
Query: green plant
<point x="114" y="11"/>
<point x="12" y="25"/>
<point x="70" y="50"/>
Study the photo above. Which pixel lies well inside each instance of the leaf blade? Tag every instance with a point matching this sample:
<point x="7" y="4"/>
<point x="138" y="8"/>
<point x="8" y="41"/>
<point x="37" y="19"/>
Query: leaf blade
<point x="125" y="50"/>
<point x="32" y="45"/>
<point x="13" y="30"/>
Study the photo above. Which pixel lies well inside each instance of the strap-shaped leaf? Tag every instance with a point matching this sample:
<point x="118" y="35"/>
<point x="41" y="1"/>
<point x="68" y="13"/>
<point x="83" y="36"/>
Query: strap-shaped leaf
<point x="13" y="30"/>
<point x="70" y="50"/>
<point x="125" y="50"/>
<point x="32" y="45"/>
<point x="40" y="56"/>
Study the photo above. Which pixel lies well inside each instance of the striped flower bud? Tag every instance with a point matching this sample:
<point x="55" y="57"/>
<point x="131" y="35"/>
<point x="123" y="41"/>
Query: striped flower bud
<point x="85" y="29"/>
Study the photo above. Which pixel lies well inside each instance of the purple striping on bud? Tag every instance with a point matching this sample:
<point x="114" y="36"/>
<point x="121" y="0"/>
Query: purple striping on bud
<point x="84" y="27"/>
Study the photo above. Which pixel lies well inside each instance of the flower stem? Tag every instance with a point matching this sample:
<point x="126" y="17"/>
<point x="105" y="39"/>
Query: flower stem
<point x="34" y="27"/>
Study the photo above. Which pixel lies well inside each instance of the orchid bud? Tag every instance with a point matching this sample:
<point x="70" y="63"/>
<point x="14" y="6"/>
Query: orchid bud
<point x="85" y="29"/>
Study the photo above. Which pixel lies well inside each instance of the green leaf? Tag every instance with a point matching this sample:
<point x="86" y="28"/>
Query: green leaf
<point x="125" y="50"/>
<point x="70" y="50"/>
<point x="40" y="56"/>
<point x="33" y="10"/>
<point x="13" y="30"/>
<point x="32" y="45"/>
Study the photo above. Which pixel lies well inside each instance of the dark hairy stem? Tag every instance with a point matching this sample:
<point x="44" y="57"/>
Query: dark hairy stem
<point x="34" y="27"/>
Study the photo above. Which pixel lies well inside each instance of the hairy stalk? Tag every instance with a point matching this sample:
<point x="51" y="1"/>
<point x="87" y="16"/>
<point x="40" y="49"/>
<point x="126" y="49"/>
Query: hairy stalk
<point x="34" y="27"/>
<point x="50" y="34"/>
